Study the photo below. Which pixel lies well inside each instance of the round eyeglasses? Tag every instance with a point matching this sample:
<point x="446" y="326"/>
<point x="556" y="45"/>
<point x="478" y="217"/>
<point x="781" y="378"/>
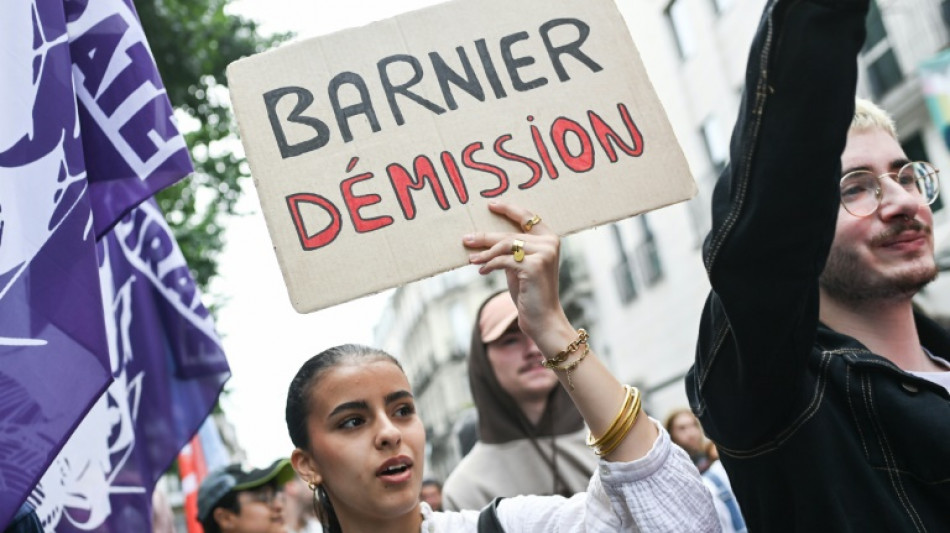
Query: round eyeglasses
<point x="862" y="191"/>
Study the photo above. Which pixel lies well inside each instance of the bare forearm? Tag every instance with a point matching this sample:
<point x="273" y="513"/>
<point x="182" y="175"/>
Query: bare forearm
<point x="599" y="396"/>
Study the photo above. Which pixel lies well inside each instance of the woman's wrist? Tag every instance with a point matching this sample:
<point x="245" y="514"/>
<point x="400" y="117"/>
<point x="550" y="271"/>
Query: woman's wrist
<point x="556" y="337"/>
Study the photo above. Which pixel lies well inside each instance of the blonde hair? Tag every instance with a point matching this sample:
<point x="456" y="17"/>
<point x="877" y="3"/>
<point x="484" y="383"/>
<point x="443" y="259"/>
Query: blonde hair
<point x="868" y="115"/>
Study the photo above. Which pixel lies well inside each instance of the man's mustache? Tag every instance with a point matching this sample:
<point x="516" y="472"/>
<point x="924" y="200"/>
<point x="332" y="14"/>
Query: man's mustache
<point x="896" y="228"/>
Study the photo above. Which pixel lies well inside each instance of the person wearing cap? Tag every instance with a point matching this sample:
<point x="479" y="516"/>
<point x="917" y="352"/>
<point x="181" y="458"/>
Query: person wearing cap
<point x="532" y="440"/>
<point x="232" y="500"/>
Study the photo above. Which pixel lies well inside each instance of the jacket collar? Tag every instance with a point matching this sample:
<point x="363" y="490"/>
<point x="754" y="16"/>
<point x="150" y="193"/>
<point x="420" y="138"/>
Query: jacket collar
<point x="932" y="336"/>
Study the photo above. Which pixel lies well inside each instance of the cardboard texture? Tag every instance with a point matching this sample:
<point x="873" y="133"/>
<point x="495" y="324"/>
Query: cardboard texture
<point x="375" y="149"/>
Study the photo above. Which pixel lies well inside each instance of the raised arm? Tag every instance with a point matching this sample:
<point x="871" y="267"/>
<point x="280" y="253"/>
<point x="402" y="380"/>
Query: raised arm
<point x="774" y="212"/>
<point x="644" y="482"/>
<point x="533" y="283"/>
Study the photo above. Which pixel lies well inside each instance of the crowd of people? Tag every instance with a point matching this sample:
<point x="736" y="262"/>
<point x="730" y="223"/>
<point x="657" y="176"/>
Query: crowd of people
<point x="819" y="396"/>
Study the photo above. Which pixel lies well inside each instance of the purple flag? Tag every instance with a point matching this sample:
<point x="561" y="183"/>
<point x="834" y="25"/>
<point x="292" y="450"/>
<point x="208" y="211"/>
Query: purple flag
<point x="53" y="349"/>
<point x="87" y="134"/>
<point x="168" y="367"/>
<point x="133" y="148"/>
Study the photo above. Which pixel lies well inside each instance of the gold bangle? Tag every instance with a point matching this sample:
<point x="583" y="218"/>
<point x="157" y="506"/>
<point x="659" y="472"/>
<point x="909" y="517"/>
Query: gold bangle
<point x="608" y="433"/>
<point x="609" y="447"/>
<point x="616" y="431"/>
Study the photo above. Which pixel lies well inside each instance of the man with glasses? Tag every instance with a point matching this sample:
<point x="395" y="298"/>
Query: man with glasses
<point x="824" y="391"/>
<point x="232" y="500"/>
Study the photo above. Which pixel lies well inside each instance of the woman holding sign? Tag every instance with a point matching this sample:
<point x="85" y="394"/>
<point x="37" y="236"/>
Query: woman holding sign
<point x="361" y="446"/>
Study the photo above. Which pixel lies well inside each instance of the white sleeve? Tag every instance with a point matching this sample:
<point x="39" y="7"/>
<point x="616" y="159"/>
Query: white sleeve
<point x="660" y="492"/>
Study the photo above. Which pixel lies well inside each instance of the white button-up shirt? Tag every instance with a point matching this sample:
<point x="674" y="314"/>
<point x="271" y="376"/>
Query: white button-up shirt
<point x="660" y="492"/>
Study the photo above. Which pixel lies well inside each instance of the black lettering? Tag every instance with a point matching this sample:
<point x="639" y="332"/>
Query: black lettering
<point x="572" y="48"/>
<point x="364" y="107"/>
<point x="490" y="71"/>
<point x="392" y="90"/>
<point x="446" y="75"/>
<point x="304" y="99"/>
<point x="513" y="63"/>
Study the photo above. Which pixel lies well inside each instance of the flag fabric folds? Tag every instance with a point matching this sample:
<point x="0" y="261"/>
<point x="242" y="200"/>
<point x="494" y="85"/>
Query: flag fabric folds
<point x="169" y="369"/>
<point x="100" y="321"/>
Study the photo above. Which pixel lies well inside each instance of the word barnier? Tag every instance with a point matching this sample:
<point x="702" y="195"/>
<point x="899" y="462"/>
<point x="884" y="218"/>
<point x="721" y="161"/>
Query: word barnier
<point x="447" y="78"/>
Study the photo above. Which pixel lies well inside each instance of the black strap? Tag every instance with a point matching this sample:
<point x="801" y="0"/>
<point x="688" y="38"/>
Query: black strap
<point x="488" y="518"/>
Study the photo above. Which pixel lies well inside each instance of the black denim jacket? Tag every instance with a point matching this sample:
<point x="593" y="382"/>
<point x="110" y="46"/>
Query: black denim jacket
<point x="817" y="433"/>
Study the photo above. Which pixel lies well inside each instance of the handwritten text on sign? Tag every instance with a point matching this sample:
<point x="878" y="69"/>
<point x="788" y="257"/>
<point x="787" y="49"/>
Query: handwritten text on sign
<point x="396" y="127"/>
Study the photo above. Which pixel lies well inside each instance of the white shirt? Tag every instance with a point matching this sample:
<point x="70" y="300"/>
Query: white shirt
<point x="661" y="491"/>
<point x="940" y="378"/>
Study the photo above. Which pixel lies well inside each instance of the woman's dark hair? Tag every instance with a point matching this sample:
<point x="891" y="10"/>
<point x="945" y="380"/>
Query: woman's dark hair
<point x="298" y="409"/>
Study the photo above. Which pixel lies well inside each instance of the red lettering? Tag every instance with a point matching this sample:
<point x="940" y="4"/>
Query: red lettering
<point x="402" y="182"/>
<point x="354" y="202"/>
<point x="607" y="136"/>
<point x="455" y="177"/>
<point x="532" y="164"/>
<point x="542" y="150"/>
<point x="470" y="162"/>
<point x="581" y="162"/>
<point x="322" y="237"/>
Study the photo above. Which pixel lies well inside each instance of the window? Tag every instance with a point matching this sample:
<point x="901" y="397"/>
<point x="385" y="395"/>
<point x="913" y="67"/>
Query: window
<point x="461" y="324"/>
<point x="623" y="275"/>
<point x="641" y="267"/>
<point x="682" y="27"/>
<point x="648" y="257"/>
<point x="717" y="151"/>
<point x="883" y="71"/>
<point x="717" y="147"/>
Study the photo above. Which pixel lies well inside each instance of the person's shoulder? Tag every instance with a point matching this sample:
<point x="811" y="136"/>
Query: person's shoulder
<point x="466" y="487"/>
<point x="465" y="472"/>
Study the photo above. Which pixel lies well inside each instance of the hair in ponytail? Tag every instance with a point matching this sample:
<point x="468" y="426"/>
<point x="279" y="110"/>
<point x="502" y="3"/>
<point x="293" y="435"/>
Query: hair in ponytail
<point x="298" y="410"/>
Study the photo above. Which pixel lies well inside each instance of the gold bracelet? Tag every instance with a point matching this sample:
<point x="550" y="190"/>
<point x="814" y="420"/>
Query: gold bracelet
<point x="628" y="421"/>
<point x="569" y="369"/>
<point x="616" y="431"/>
<point x="562" y="356"/>
<point x="621" y="425"/>
<point x="609" y="447"/>
<point x="615" y="424"/>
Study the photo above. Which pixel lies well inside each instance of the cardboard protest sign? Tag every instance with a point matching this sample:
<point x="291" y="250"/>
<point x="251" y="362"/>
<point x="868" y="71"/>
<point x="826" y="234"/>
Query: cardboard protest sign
<point x="375" y="149"/>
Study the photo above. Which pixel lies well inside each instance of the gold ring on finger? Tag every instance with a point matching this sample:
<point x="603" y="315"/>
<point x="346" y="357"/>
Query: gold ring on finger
<point x="531" y="223"/>
<point x="517" y="250"/>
